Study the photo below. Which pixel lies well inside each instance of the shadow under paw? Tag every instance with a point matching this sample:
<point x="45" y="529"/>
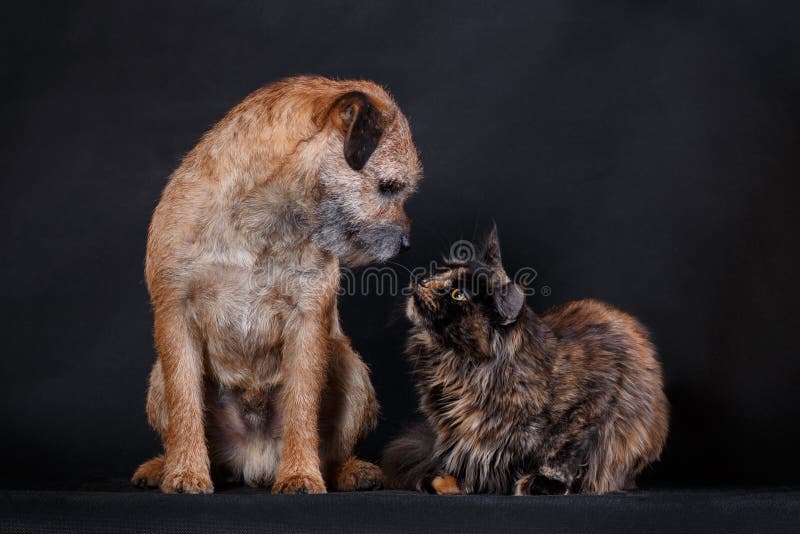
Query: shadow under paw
<point x="541" y="485"/>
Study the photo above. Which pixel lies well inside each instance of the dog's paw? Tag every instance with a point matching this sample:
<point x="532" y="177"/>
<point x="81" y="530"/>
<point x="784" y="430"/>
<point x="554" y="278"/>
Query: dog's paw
<point x="186" y="480"/>
<point x="358" y="475"/>
<point x="445" y="485"/>
<point x="149" y="474"/>
<point x="299" y="484"/>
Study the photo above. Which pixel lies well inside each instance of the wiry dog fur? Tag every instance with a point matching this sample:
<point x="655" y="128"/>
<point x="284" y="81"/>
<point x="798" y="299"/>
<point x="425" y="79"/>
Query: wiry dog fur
<point x="254" y="377"/>
<point x="569" y="401"/>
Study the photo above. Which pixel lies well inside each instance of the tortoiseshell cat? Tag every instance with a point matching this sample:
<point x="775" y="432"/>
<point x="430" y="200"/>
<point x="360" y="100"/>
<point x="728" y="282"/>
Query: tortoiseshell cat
<point x="570" y="401"/>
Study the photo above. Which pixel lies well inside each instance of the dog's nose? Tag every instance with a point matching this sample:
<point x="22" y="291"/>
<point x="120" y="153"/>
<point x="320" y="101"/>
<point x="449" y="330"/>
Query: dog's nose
<point x="405" y="243"/>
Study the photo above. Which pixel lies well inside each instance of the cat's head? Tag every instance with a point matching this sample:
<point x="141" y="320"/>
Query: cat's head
<point x="466" y="301"/>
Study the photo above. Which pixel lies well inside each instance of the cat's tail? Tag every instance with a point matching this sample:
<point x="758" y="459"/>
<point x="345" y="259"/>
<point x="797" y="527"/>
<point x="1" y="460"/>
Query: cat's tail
<point x="408" y="462"/>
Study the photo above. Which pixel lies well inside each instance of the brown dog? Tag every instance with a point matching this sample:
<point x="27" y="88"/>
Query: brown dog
<point x="254" y="377"/>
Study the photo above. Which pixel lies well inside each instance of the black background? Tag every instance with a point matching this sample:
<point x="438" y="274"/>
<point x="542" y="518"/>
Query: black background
<point x="639" y="152"/>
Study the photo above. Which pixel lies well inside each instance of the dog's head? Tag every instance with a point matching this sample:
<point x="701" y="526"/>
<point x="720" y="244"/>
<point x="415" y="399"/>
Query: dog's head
<point x="369" y="168"/>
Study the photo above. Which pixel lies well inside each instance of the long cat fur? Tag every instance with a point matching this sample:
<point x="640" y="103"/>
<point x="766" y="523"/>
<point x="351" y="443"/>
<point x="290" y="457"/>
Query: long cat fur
<point x="569" y="401"/>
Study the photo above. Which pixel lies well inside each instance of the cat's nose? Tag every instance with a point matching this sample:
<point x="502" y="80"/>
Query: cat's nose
<point x="405" y="243"/>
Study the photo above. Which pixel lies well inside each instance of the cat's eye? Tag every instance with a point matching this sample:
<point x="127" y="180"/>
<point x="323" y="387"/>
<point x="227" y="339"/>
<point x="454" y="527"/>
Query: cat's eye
<point x="457" y="294"/>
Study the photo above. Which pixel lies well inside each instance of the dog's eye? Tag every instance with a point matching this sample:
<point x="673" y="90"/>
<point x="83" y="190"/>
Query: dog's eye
<point x="457" y="294"/>
<point x="390" y="187"/>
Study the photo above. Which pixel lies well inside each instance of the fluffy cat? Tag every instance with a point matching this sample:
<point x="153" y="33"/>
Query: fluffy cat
<point x="569" y="401"/>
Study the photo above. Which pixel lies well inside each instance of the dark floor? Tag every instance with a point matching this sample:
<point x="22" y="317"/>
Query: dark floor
<point x="113" y="506"/>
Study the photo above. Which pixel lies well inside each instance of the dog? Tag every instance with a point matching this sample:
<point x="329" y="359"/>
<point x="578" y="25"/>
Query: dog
<point x="254" y="379"/>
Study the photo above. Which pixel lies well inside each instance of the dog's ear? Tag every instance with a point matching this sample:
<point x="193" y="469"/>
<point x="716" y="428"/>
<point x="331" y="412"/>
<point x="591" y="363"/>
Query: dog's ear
<point x="362" y="124"/>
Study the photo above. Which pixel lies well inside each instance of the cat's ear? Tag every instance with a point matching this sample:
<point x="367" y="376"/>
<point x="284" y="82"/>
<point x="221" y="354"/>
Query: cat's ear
<point x="490" y="255"/>
<point x="508" y="301"/>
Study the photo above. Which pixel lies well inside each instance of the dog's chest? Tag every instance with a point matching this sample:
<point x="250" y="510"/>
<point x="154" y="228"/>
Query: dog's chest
<point x="242" y="314"/>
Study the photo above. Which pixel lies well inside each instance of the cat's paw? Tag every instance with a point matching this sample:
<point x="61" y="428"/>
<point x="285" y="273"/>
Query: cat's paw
<point x="445" y="485"/>
<point x="358" y="475"/>
<point x="540" y="485"/>
<point x="299" y="483"/>
<point x="187" y="480"/>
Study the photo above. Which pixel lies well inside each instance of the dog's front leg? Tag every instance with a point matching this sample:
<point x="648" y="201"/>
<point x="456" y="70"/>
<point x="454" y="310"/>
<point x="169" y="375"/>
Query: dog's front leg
<point x="303" y="369"/>
<point x="186" y="463"/>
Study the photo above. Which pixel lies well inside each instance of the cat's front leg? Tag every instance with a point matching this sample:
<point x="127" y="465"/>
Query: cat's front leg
<point x="545" y="481"/>
<point x="558" y="472"/>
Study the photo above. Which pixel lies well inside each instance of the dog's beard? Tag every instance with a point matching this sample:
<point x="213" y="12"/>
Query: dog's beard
<point x="353" y="241"/>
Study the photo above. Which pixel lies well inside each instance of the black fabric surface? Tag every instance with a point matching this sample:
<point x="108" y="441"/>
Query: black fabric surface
<point x="115" y="507"/>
